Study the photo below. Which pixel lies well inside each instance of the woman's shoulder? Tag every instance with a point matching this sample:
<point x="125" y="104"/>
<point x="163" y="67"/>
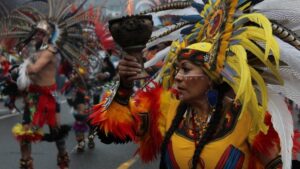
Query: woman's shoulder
<point x="231" y="118"/>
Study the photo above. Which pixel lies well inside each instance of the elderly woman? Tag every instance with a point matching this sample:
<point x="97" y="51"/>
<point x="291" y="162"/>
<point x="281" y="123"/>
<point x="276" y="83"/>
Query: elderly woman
<point x="200" y="126"/>
<point x="209" y="106"/>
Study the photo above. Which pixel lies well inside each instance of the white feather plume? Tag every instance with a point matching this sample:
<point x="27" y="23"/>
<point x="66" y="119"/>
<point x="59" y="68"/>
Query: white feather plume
<point x="158" y="57"/>
<point x="178" y="12"/>
<point x="290" y="89"/>
<point x="23" y="80"/>
<point x="289" y="55"/>
<point x="283" y="124"/>
<point x="144" y="4"/>
<point x="171" y="37"/>
<point x="290" y="73"/>
<point x="285" y="12"/>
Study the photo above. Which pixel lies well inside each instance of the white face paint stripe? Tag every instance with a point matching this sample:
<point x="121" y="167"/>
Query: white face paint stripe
<point x="190" y="77"/>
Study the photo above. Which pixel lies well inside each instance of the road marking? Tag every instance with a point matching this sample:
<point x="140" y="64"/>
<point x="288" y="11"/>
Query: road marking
<point x="8" y="116"/>
<point x="129" y="163"/>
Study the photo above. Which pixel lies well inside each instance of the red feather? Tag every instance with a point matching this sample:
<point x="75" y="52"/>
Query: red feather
<point x="8" y="44"/>
<point x="73" y="8"/>
<point x="117" y="119"/>
<point x="296" y="146"/>
<point x="150" y="144"/>
<point x="263" y="143"/>
<point x="30" y="138"/>
<point x="104" y="36"/>
<point x="5" y="66"/>
<point x="122" y="121"/>
<point x="105" y="39"/>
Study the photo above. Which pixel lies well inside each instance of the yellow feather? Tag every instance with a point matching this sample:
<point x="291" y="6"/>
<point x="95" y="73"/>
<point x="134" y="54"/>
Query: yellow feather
<point x="248" y="99"/>
<point x="262" y="21"/>
<point x="253" y="48"/>
<point x="241" y="55"/>
<point x="262" y="87"/>
<point x="233" y="63"/>
<point x="242" y="8"/>
<point x="226" y="35"/>
<point x="258" y="34"/>
<point x="250" y="103"/>
<point x="165" y="98"/>
<point x="258" y="116"/>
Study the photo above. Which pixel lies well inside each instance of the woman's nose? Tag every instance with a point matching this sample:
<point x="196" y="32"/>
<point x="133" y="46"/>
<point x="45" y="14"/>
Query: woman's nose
<point x="178" y="77"/>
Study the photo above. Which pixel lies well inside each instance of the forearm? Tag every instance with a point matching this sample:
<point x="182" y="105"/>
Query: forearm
<point x="123" y="94"/>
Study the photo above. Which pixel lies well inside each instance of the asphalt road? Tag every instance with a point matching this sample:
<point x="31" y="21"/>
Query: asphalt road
<point x="44" y="154"/>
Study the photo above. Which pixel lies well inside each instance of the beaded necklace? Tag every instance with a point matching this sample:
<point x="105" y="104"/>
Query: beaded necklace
<point x="199" y="122"/>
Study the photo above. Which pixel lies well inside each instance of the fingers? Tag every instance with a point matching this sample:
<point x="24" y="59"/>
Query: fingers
<point x="128" y="66"/>
<point x="127" y="73"/>
<point x="130" y="58"/>
<point x="137" y="77"/>
<point x="128" y="63"/>
<point x="129" y="77"/>
<point x="129" y="69"/>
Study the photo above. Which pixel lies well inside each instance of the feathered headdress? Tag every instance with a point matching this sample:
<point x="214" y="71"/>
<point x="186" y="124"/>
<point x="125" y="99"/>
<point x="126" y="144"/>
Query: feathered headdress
<point x="236" y="45"/>
<point x="65" y="19"/>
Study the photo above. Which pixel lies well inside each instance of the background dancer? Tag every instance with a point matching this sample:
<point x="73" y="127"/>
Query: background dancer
<point x="40" y="103"/>
<point x="218" y="115"/>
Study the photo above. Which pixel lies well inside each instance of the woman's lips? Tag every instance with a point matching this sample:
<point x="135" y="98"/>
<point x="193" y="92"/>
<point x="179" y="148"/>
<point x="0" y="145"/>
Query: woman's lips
<point x="180" y="88"/>
<point x="177" y="91"/>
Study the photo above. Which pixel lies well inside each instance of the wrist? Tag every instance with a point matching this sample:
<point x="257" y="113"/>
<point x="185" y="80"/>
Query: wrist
<point x="123" y="95"/>
<point x="126" y="85"/>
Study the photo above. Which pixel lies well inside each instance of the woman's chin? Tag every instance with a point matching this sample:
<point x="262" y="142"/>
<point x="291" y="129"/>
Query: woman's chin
<point x="187" y="100"/>
<point x="183" y="98"/>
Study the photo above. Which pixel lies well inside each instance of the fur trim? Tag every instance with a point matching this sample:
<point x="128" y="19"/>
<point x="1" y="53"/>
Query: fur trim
<point x="23" y="80"/>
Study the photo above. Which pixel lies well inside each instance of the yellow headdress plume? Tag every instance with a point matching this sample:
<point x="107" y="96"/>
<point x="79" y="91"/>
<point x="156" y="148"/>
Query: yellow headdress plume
<point x="239" y="48"/>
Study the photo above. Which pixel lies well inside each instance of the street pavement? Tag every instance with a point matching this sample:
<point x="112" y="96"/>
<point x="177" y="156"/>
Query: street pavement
<point x="44" y="154"/>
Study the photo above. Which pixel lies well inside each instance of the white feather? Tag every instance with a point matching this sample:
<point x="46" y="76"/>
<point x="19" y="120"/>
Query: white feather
<point x="290" y="89"/>
<point x="291" y="73"/>
<point x="162" y="30"/>
<point x="178" y="12"/>
<point x="158" y="57"/>
<point x="285" y="12"/>
<point x="171" y="37"/>
<point x="144" y="4"/>
<point x="23" y="80"/>
<point x="289" y="55"/>
<point x="283" y="124"/>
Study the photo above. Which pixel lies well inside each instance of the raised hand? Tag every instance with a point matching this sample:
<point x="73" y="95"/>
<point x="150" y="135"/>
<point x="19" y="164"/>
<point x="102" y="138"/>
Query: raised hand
<point x="129" y="68"/>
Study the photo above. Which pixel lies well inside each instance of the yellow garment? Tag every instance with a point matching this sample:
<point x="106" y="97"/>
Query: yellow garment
<point x="183" y="148"/>
<point x="157" y="110"/>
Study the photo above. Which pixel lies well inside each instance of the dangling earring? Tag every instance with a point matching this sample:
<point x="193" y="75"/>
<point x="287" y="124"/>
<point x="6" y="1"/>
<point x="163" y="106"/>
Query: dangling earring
<point x="212" y="97"/>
